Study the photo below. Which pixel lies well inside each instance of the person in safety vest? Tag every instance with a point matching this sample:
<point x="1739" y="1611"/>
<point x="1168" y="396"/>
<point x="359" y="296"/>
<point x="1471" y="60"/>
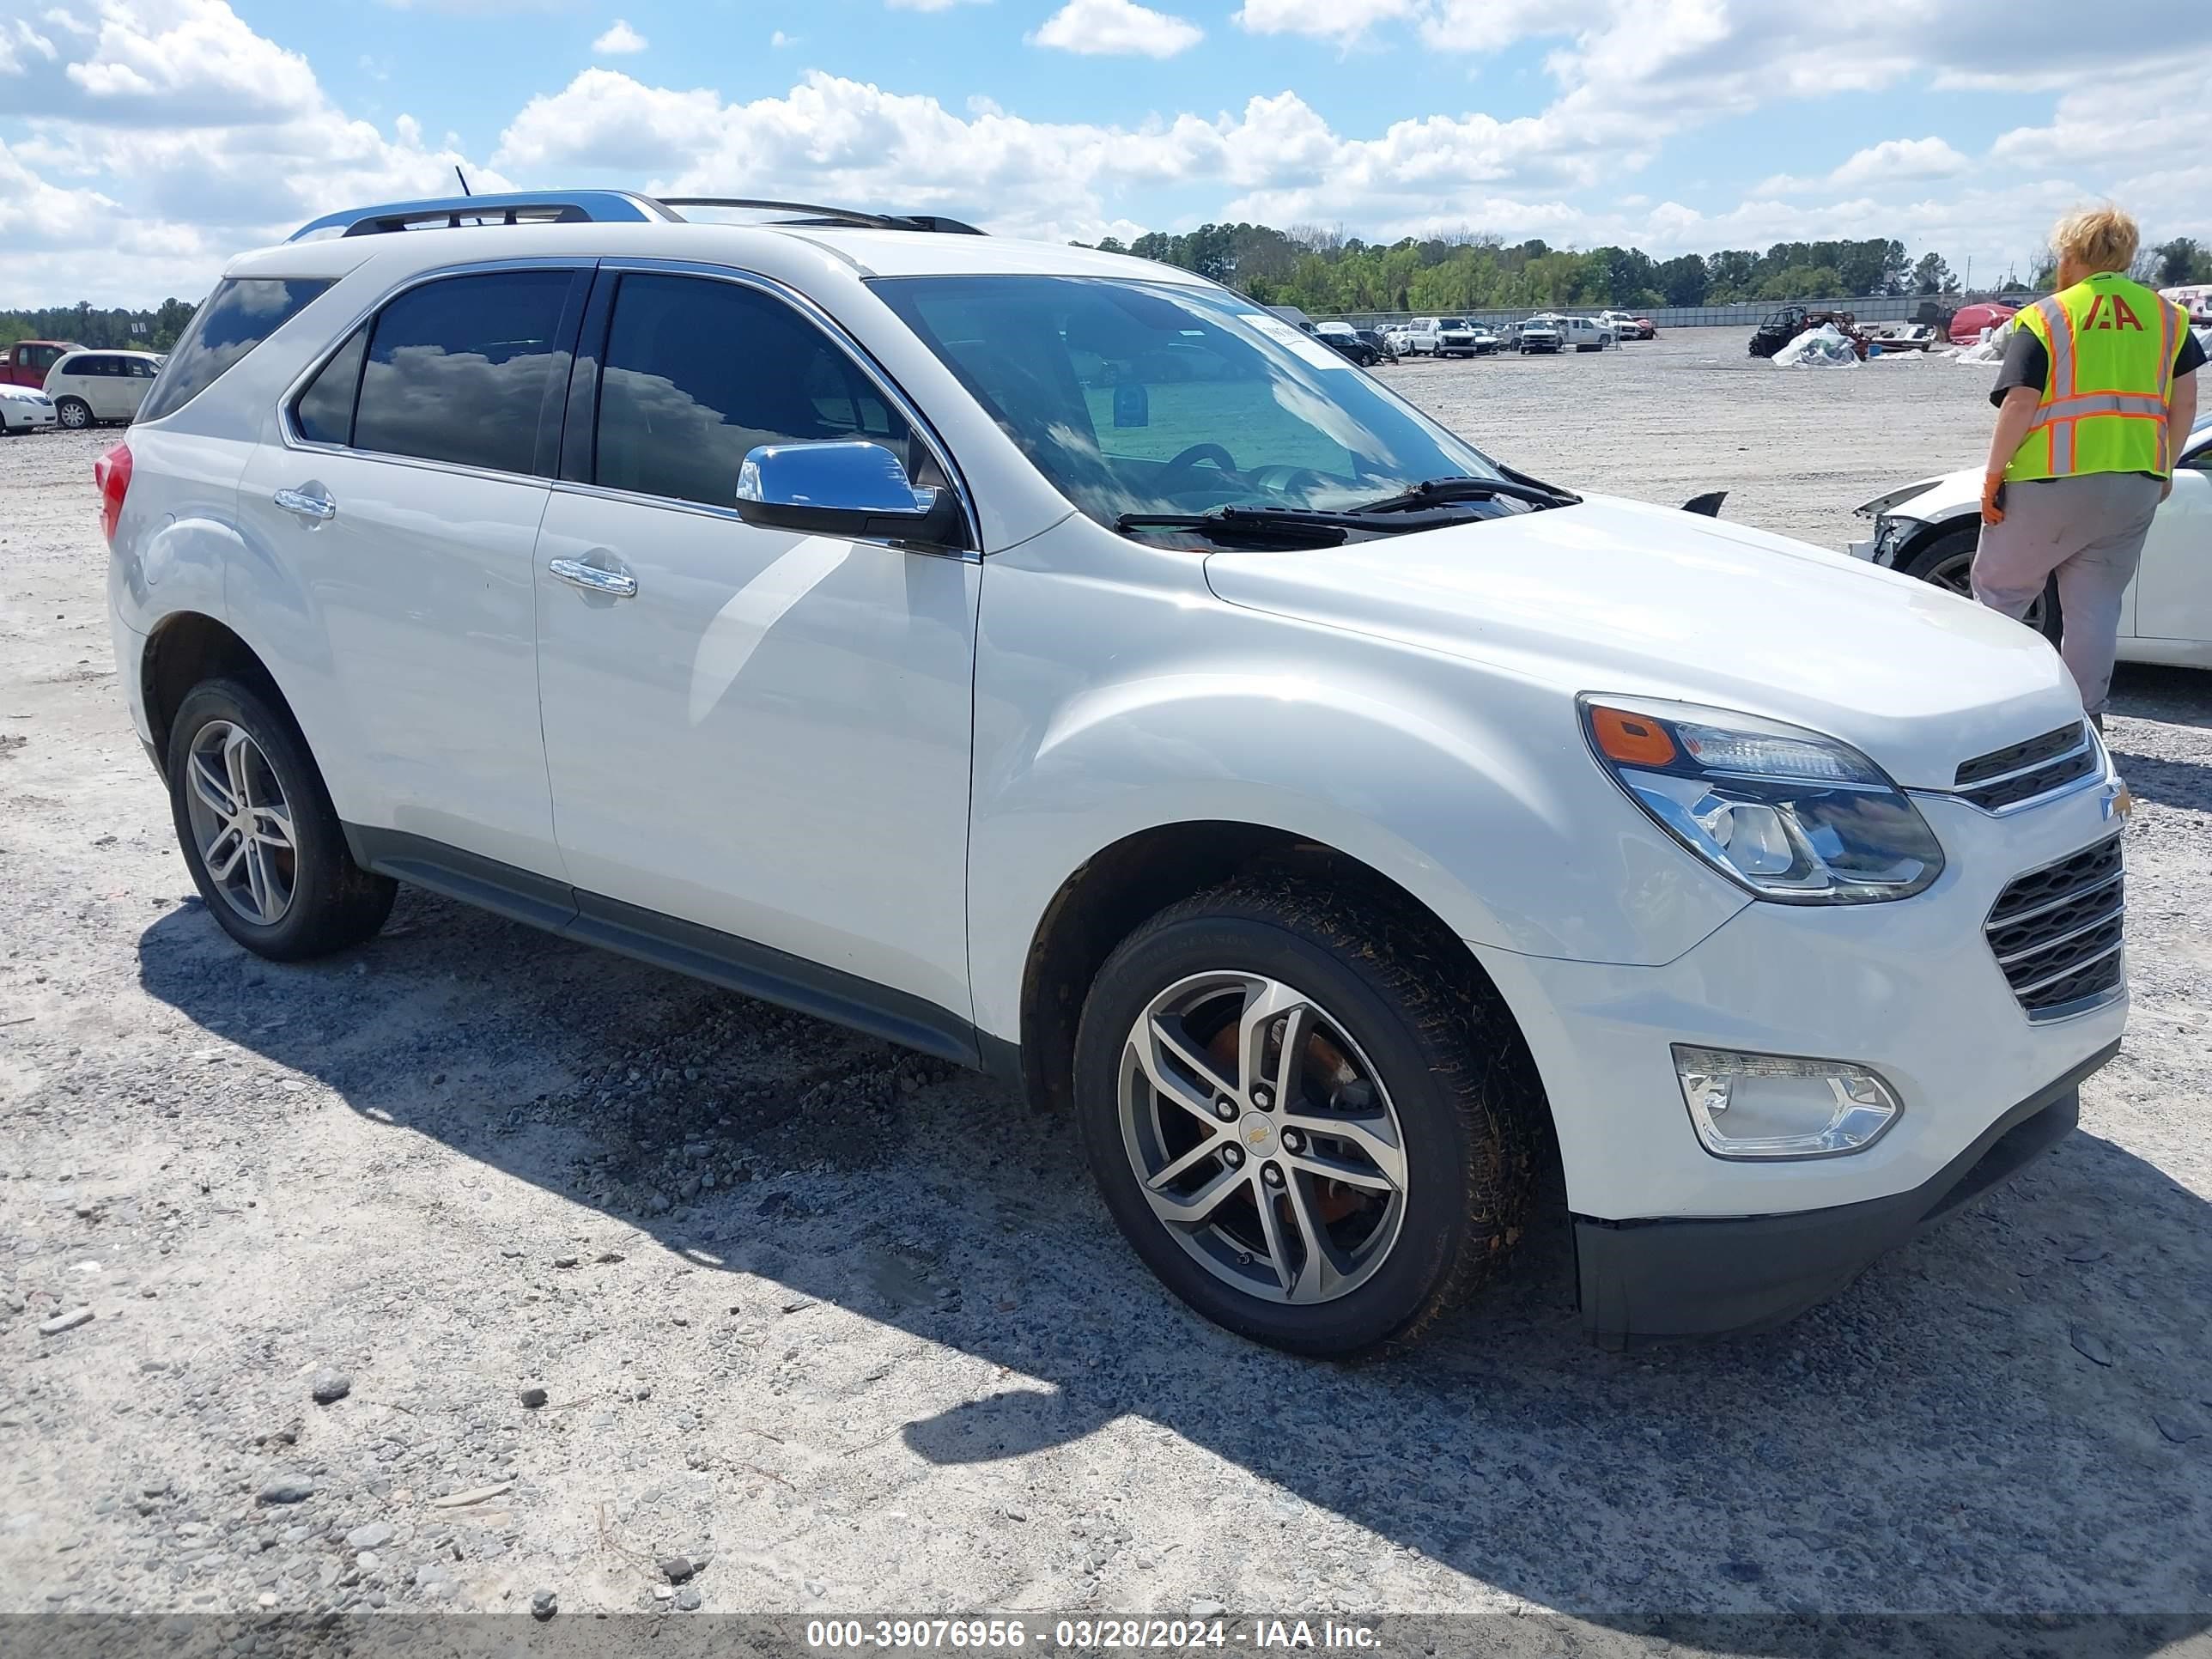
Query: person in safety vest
<point x="2099" y="385"/>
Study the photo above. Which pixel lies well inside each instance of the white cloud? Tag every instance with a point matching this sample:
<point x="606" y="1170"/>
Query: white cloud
<point x="19" y="43"/>
<point x="1120" y="27"/>
<point x="780" y="40"/>
<point x="1900" y="159"/>
<point x="1893" y="162"/>
<point x="171" y="62"/>
<point x="620" y="38"/>
<point x="1342" y="20"/>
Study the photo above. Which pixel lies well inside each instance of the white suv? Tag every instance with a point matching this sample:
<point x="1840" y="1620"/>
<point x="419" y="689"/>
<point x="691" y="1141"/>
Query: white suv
<point x="1054" y="662"/>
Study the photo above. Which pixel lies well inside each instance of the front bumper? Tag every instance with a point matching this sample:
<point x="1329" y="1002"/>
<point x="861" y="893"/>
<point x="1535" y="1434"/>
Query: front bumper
<point x="25" y="417"/>
<point x="1653" y="1279"/>
<point x="1911" y="989"/>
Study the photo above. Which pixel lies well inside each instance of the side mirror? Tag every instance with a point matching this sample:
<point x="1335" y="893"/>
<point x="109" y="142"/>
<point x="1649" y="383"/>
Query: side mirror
<point x="856" y="491"/>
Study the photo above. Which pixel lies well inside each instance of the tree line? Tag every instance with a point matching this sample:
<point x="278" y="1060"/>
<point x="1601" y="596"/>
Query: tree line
<point x="117" y="328"/>
<point x="1322" y="271"/>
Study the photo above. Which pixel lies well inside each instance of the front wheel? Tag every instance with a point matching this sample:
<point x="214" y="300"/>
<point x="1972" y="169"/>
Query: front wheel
<point x="1306" y="1128"/>
<point x="1947" y="562"/>
<point x="259" y="833"/>
<point x="74" y="413"/>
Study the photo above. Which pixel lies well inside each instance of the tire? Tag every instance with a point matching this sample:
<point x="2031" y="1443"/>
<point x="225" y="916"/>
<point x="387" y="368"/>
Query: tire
<point x="330" y="903"/>
<point x="1416" y="1040"/>
<point x="1946" y="561"/>
<point x="74" y="413"/>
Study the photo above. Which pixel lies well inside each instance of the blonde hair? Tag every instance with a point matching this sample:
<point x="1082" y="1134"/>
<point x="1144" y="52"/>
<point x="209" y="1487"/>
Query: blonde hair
<point x="2100" y="237"/>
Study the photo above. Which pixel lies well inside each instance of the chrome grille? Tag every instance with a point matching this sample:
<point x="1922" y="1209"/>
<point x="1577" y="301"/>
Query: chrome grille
<point x="2057" y="932"/>
<point x="2023" y="771"/>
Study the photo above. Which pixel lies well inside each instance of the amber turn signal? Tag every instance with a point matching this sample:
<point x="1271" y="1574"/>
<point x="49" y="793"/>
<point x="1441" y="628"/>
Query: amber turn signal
<point x="1631" y="739"/>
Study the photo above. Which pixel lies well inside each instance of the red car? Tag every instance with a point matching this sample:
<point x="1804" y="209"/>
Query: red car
<point x="1967" y="324"/>
<point x="1645" y="330"/>
<point x="26" y="362"/>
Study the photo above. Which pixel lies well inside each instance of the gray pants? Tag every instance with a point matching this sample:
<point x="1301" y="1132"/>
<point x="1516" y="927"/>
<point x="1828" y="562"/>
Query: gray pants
<point x="2089" y="531"/>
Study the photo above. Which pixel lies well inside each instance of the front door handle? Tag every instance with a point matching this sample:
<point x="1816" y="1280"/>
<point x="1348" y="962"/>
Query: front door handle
<point x="317" y="508"/>
<point x="615" y="584"/>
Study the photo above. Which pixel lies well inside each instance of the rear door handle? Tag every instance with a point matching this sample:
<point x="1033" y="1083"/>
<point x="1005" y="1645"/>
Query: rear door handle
<point x="616" y="584"/>
<point x="319" y="508"/>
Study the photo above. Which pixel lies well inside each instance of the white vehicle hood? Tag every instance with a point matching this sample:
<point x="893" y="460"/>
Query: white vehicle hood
<point x="1928" y="500"/>
<point x="1617" y="596"/>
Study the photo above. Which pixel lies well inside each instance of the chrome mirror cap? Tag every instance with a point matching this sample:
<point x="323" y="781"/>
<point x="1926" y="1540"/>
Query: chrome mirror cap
<point x="856" y="477"/>
<point x="851" y="488"/>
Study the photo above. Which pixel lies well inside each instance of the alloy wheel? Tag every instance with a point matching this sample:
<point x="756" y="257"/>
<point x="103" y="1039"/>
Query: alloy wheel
<point x="241" y="823"/>
<point x="1262" y="1137"/>
<point x="75" y="415"/>
<point x="1955" y="575"/>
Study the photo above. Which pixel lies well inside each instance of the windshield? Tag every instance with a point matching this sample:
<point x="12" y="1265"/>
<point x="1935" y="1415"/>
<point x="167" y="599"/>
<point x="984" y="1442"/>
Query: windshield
<point x="1141" y="398"/>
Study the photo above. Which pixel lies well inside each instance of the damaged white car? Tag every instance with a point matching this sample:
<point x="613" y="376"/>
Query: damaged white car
<point x="1929" y="530"/>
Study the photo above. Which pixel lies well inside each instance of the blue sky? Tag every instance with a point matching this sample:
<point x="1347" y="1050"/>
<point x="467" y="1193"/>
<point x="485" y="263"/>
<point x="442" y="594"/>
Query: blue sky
<point x="144" y="141"/>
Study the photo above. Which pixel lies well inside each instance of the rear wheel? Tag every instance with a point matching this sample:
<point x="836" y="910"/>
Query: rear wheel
<point x="74" y="413"/>
<point x="259" y="833"/>
<point x="1947" y="562"/>
<point x="1300" y="1118"/>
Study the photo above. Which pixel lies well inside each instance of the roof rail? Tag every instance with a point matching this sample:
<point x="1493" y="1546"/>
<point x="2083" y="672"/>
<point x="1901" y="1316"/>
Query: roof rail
<point x="556" y="207"/>
<point x="577" y="207"/>
<point x="831" y="215"/>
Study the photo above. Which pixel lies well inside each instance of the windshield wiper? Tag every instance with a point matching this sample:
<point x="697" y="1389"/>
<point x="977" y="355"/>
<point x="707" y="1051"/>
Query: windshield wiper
<point x="1427" y="505"/>
<point x="1249" y="527"/>
<point x="1444" y="492"/>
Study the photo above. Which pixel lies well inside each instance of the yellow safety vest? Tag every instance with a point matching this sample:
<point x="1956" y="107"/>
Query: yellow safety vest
<point x="2111" y="344"/>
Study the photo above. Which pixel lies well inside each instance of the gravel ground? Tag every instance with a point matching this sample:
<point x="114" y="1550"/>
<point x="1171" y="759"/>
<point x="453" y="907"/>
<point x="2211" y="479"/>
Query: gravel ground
<point x="474" y="1264"/>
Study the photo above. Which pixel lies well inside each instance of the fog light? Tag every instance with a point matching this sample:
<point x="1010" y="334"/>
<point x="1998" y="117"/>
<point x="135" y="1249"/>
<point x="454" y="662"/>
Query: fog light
<point x="1750" y="1106"/>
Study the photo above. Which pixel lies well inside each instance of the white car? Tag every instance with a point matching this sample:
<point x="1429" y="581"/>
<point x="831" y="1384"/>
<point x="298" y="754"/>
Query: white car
<point x="92" y="387"/>
<point x="1052" y="661"/>
<point x="1622" y="325"/>
<point x="1929" y="530"/>
<point x="1536" y="334"/>
<point x="1458" y="338"/>
<point x="1585" y="333"/>
<point x="23" y="410"/>
<point x="1423" y="336"/>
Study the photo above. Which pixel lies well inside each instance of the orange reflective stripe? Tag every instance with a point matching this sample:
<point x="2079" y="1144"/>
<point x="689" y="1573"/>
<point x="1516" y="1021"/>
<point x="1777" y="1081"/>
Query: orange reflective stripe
<point x="2101" y="403"/>
<point x="2059" y="324"/>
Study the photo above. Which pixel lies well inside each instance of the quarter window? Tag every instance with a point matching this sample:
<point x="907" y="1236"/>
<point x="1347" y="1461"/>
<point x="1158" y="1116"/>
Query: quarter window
<point x="458" y="370"/>
<point x="699" y="372"/>
<point x="241" y="313"/>
<point x="325" y="412"/>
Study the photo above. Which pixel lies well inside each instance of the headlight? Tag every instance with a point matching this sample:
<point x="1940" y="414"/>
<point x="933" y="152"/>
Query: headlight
<point x="1788" y="814"/>
<point x="1754" y="1106"/>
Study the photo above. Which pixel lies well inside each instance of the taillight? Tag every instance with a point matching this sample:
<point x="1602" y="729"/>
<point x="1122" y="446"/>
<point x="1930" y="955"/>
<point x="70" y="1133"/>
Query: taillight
<point x="111" y="472"/>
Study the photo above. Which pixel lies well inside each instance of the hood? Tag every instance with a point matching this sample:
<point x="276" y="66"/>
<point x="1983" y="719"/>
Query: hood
<point x="1615" y="596"/>
<point x="1928" y="499"/>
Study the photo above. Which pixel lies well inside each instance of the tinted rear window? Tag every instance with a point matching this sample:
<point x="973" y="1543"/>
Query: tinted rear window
<point x="241" y="313"/>
<point x="458" y="369"/>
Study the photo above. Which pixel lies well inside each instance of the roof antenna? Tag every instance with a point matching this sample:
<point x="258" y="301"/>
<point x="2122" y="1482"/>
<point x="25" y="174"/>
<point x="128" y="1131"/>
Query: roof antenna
<point x="463" y="178"/>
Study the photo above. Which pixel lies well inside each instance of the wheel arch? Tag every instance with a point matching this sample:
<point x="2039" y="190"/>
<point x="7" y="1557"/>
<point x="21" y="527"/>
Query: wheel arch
<point x="1124" y="884"/>
<point x="187" y="649"/>
<point x="1931" y="531"/>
